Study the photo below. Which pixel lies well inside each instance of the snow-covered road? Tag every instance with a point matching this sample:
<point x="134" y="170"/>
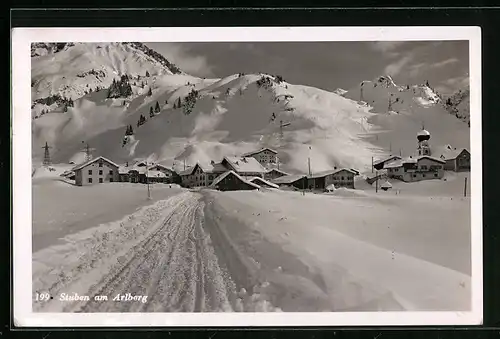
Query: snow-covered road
<point x="163" y="256"/>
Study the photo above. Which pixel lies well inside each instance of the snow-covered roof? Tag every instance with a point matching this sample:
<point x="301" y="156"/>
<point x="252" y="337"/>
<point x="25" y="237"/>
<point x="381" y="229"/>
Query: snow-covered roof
<point x="451" y="154"/>
<point x="277" y="170"/>
<point x="288" y="179"/>
<point x="400" y="162"/>
<point x="257" y="152"/>
<point x="156" y="174"/>
<point x="85" y="164"/>
<point x="159" y="166"/>
<point x="206" y="168"/>
<point x="386" y="184"/>
<point x="245" y="165"/>
<point x="258" y="181"/>
<point x="329" y="172"/>
<point x="441" y="161"/>
<point x="225" y="174"/>
<point x="394" y="164"/>
<point x="380" y="161"/>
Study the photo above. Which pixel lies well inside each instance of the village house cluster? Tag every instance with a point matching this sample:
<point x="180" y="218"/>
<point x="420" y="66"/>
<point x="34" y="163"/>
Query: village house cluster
<point x="424" y="166"/>
<point x="251" y="170"/>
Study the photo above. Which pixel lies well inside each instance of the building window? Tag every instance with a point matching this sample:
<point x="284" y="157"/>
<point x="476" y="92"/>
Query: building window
<point x="414" y="175"/>
<point x="424" y="167"/>
<point x="110" y="179"/>
<point x="100" y="180"/>
<point x="110" y="172"/>
<point x="342" y="178"/>
<point x="90" y="180"/>
<point x="423" y="175"/>
<point x="100" y="164"/>
<point x="100" y="172"/>
<point x="435" y="175"/>
<point x="90" y="172"/>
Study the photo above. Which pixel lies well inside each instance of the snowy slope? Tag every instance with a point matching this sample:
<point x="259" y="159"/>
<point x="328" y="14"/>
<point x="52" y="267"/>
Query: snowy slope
<point x="402" y="110"/>
<point x="231" y="116"/>
<point x="72" y="70"/>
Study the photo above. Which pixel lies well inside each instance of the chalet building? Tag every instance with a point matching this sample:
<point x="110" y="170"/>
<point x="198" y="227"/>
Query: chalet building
<point x="201" y="175"/>
<point x="457" y="160"/>
<point x="134" y="174"/>
<point x="274" y="173"/>
<point x="379" y="164"/>
<point x="231" y="181"/>
<point x="156" y="177"/>
<point x="263" y="183"/>
<point x="264" y="156"/>
<point x="342" y="177"/>
<point x="416" y="169"/>
<point x="96" y="171"/>
<point x="298" y="181"/>
<point x="244" y="166"/>
<point x="169" y="174"/>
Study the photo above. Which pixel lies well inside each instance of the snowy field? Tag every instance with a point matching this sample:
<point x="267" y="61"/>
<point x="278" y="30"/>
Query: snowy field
<point x="59" y="208"/>
<point x="204" y="250"/>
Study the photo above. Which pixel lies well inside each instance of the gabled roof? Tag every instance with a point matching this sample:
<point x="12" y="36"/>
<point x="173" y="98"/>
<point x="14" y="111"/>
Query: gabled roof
<point x="160" y="166"/>
<point x="85" y="164"/>
<point x="206" y="168"/>
<point x="277" y="170"/>
<point x="245" y="165"/>
<point x="441" y="161"/>
<point x="451" y="154"/>
<point x="156" y="174"/>
<point x="329" y="172"/>
<point x="380" y="161"/>
<point x="259" y="181"/>
<point x="224" y="175"/>
<point x="249" y="154"/>
<point x="288" y="179"/>
<point x="386" y="184"/>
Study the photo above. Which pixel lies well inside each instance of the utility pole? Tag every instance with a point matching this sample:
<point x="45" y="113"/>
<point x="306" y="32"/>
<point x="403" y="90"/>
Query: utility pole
<point x="372" y="164"/>
<point x="184" y="164"/>
<point x="46" y="156"/>
<point x="465" y="187"/>
<point x="376" y="182"/>
<point x="147" y="180"/>
<point x="309" y="162"/>
<point x="400" y="154"/>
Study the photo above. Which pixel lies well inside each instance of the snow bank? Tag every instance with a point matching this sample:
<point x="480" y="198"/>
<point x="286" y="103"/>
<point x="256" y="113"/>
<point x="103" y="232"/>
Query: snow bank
<point x="71" y="209"/>
<point x="369" y="253"/>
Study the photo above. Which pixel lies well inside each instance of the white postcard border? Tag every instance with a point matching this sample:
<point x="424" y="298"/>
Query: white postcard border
<point x="21" y="156"/>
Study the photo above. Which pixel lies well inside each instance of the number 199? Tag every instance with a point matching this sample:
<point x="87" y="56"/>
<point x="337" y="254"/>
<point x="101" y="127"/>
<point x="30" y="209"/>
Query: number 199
<point x="42" y="296"/>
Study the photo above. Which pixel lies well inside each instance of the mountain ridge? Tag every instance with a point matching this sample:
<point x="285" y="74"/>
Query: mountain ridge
<point x="232" y="116"/>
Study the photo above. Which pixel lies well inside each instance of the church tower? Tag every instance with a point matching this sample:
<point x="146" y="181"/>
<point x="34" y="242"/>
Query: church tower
<point x="423" y="147"/>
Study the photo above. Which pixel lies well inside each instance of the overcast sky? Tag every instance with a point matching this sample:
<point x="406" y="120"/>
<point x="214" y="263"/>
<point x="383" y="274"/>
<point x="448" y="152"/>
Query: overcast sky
<point x="328" y="65"/>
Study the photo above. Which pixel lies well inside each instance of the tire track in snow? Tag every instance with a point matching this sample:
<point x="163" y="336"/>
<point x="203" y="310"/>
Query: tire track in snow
<point x="175" y="266"/>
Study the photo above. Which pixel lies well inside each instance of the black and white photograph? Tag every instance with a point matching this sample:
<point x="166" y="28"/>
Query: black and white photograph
<point x="178" y="177"/>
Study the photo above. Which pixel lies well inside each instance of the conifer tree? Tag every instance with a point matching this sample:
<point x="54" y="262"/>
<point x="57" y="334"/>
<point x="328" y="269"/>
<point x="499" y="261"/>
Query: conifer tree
<point x="150" y="93"/>
<point x="179" y="104"/>
<point x="157" y="108"/>
<point x="147" y="73"/>
<point x="151" y="114"/>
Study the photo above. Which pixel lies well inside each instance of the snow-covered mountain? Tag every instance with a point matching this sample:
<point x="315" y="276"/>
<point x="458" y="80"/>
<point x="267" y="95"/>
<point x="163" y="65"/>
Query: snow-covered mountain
<point x="219" y="117"/>
<point x="458" y="104"/>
